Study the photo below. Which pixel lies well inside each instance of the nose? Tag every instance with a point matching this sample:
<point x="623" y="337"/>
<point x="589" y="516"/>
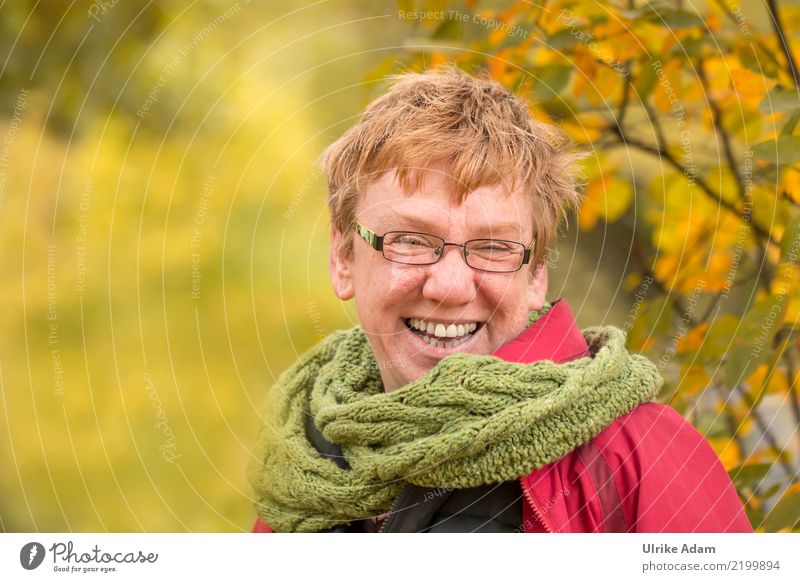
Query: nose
<point x="450" y="281"/>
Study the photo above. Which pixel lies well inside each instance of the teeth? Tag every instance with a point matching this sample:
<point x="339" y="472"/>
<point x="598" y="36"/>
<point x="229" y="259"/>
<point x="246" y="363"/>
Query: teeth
<point x="444" y="344"/>
<point x="446" y="336"/>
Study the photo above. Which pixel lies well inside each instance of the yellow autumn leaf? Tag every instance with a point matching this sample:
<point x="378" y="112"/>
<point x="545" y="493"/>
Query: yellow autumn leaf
<point x="694" y="379"/>
<point x="728" y="452"/>
<point x="606" y="196"/>
<point x="749" y="87"/>
<point x="693" y="339"/>
<point x="582" y="133"/>
<point x="785" y="280"/>
<point x="589" y="213"/>
<point x="631" y="281"/>
<point x="790" y="182"/>
<point x="712" y="21"/>
<point x="717" y="71"/>
<point x="668" y="89"/>
<point x="587" y="69"/>
<point x="606" y="81"/>
<point x="743" y="121"/>
<point x="665" y="268"/>
<point x="777" y="383"/>
<point x="741" y="411"/>
<point x="551" y="21"/>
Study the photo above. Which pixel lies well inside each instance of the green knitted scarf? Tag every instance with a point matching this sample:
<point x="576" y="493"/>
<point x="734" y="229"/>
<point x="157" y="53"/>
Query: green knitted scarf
<point x="471" y="420"/>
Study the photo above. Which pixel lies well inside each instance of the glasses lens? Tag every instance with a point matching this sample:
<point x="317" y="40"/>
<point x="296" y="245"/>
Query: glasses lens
<point x="412" y="247"/>
<point x="495" y="255"/>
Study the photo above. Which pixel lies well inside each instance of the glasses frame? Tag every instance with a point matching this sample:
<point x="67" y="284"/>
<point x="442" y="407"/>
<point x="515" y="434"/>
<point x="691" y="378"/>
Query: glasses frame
<point x="376" y="242"/>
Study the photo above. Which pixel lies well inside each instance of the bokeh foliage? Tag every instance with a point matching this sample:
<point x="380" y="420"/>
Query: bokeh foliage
<point x="179" y="254"/>
<point x="690" y="112"/>
<point x="180" y="251"/>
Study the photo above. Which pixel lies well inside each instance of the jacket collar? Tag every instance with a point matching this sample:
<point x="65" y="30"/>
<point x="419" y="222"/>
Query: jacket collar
<point x="554" y="336"/>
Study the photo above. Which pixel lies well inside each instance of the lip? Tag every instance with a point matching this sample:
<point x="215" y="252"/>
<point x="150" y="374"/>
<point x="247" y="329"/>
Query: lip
<point x="446" y="321"/>
<point x="438" y="352"/>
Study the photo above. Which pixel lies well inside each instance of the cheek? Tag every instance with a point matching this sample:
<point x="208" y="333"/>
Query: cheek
<point x="387" y="283"/>
<point x="400" y="281"/>
<point x="507" y="298"/>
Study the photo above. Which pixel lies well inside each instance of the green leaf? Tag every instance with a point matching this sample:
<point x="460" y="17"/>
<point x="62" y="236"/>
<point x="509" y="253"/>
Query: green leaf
<point x="449" y="30"/>
<point x="751" y="59"/>
<point x="677" y="19"/>
<point x="780" y="99"/>
<point x="425" y="45"/>
<point x="788" y="127"/>
<point x="695" y="47"/>
<point x="551" y="81"/>
<point x="784" y="150"/>
<point x="563" y="108"/>
<point x="636" y="13"/>
<point x="618" y="198"/>
<point x="652" y="321"/>
<point x="790" y="235"/>
<point x="406" y="5"/>
<point x="786" y="513"/>
<point x="750" y="475"/>
<point x="717" y="339"/>
<point x="645" y="81"/>
<point x="772" y="490"/>
<point x="752" y="343"/>
<point x="562" y="39"/>
<point x="742" y="122"/>
<point x="754" y="515"/>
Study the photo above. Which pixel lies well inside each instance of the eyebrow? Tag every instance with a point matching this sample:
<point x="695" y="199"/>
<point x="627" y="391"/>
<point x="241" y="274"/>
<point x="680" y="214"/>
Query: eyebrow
<point x="429" y="226"/>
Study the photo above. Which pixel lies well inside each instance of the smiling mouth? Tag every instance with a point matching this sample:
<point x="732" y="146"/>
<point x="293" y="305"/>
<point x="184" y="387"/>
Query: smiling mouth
<point x="441" y="334"/>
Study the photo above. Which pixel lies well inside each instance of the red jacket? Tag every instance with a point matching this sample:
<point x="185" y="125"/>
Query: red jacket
<point x="651" y="470"/>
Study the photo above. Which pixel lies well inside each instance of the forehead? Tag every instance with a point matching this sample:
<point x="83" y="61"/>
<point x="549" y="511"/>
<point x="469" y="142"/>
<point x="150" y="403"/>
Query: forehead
<point x="490" y="209"/>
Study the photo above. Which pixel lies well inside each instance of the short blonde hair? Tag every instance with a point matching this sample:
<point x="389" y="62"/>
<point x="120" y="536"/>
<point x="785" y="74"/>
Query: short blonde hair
<point x="482" y="132"/>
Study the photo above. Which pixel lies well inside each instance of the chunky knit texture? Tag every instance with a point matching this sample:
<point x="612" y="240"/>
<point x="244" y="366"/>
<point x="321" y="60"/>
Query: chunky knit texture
<point x="472" y="420"/>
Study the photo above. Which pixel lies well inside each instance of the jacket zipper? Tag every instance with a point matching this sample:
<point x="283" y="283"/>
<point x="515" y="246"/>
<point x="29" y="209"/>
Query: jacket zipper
<point x="536" y="512"/>
<point x="394" y="506"/>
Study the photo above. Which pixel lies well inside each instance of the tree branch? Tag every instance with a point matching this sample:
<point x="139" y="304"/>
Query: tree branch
<point x="764" y="276"/>
<point x="716" y="120"/>
<point x="792" y="378"/>
<point x="766" y="433"/>
<point x="768" y="52"/>
<point x="701" y="183"/>
<point x="777" y="26"/>
<point x="677" y="304"/>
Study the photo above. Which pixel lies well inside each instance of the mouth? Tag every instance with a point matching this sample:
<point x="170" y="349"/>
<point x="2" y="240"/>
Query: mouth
<point x="442" y="334"/>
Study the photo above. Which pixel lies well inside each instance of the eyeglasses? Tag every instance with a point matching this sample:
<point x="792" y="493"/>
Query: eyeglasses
<point x="418" y="248"/>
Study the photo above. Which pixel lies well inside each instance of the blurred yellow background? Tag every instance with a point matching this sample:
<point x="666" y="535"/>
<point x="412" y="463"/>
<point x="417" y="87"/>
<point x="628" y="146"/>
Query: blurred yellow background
<point x="164" y="237"/>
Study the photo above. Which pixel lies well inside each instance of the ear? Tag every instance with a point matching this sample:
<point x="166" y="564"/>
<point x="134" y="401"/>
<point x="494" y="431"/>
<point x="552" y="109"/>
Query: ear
<point x="340" y="268"/>
<point x="537" y="288"/>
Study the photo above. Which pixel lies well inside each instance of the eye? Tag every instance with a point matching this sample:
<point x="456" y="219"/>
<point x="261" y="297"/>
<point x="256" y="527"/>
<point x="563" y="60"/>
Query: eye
<point x="412" y="239"/>
<point x="490" y="246"/>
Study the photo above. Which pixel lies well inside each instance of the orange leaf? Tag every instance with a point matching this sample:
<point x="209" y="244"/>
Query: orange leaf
<point x="728" y="452"/>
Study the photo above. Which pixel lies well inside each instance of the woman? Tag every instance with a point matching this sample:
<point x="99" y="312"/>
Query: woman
<point x="464" y="401"/>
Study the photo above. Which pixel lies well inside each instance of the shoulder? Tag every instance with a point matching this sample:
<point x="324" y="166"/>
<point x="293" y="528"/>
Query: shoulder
<point x="650" y="425"/>
<point x="669" y="477"/>
<point x="654" y="440"/>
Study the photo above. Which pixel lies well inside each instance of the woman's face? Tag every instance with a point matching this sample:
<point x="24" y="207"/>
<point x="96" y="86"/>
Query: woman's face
<point x="394" y="301"/>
